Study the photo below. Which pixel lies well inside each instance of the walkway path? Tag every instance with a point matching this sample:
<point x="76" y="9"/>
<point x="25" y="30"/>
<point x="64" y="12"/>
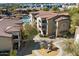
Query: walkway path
<point x="27" y="51"/>
<point x="57" y="43"/>
<point x="36" y="53"/>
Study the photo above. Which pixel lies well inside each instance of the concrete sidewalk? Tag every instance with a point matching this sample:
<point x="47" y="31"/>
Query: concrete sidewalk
<point x="57" y="44"/>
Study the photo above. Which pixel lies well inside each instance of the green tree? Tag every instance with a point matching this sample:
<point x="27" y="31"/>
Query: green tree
<point x="74" y="16"/>
<point x="74" y="22"/>
<point x="45" y="9"/>
<point x="35" y="10"/>
<point x="29" y="10"/>
<point x="55" y="8"/>
<point x="13" y="53"/>
<point x="29" y="32"/>
<point x="12" y="8"/>
<point x="1" y="10"/>
<point x="73" y="10"/>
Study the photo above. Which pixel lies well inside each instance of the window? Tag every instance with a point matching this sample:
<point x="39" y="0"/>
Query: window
<point x="39" y="26"/>
<point x="44" y="32"/>
<point x="25" y="6"/>
<point x="15" y="37"/>
<point x="39" y="31"/>
<point x="44" y="21"/>
<point x="35" y="18"/>
<point x="43" y="26"/>
<point x="39" y="20"/>
<point x="15" y="45"/>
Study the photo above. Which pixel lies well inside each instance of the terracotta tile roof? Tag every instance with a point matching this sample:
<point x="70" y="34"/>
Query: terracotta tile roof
<point x="8" y="25"/>
<point x="48" y="14"/>
<point x="61" y="18"/>
<point x="13" y="29"/>
<point x="19" y="22"/>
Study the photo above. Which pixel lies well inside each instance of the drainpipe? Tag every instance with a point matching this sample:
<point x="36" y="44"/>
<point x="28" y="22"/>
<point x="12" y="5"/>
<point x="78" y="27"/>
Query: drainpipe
<point x="56" y="29"/>
<point x="12" y="45"/>
<point x="19" y="41"/>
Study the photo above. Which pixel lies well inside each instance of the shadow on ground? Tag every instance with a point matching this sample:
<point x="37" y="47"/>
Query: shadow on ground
<point x="27" y="49"/>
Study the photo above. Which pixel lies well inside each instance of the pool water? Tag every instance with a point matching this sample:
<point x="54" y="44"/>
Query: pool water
<point x="26" y="19"/>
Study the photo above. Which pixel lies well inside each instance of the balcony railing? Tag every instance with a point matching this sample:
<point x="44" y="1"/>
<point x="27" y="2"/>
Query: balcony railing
<point x="44" y="27"/>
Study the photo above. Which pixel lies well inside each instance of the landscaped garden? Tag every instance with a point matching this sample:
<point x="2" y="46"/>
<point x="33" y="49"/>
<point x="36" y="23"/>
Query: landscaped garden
<point x="52" y="53"/>
<point x="48" y="49"/>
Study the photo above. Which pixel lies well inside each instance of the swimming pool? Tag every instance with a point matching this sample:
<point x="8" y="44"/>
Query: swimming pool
<point x="26" y="19"/>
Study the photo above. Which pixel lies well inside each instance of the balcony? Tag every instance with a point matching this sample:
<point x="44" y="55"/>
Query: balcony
<point x="44" y="32"/>
<point x="39" y="26"/>
<point x="15" y="38"/>
<point x="44" y="21"/>
<point x="44" y="27"/>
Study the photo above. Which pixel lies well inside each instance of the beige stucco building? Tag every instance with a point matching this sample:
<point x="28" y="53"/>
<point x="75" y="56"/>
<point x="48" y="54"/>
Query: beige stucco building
<point x="10" y="33"/>
<point x="5" y="43"/>
<point x="50" y="23"/>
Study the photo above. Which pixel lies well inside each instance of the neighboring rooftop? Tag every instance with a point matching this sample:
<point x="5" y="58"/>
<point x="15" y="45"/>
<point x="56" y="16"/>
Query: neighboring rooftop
<point x="8" y="25"/>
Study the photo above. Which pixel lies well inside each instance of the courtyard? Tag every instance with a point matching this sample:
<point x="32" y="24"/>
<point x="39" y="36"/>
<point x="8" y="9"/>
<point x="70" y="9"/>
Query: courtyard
<point x="33" y="48"/>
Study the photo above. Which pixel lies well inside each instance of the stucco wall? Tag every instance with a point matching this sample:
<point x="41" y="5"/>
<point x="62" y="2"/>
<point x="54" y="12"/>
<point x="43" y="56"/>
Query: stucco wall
<point x="51" y="27"/>
<point x="63" y="25"/>
<point x="5" y="43"/>
<point x="30" y="18"/>
<point x="39" y="23"/>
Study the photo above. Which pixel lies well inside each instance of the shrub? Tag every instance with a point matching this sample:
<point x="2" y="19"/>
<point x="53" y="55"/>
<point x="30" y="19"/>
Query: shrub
<point x="43" y="45"/>
<point x="29" y="32"/>
<point x="71" y="47"/>
<point x="45" y="9"/>
<point x="13" y="53"/>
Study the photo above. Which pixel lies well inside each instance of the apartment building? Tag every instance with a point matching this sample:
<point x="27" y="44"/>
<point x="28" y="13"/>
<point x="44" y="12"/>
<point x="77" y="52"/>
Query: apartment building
<point x="50" y="23"/>
<point x="10" y="33"/>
